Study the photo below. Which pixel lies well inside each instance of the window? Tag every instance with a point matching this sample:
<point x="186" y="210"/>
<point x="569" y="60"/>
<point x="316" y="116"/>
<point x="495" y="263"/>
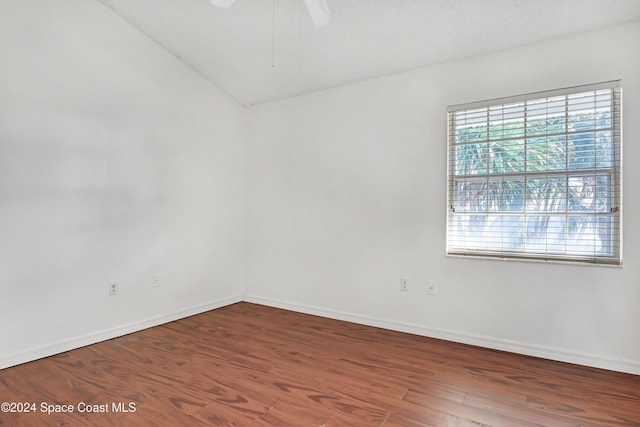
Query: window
<point x="537" y="176"/>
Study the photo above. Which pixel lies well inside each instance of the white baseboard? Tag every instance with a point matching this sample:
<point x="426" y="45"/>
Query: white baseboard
<point x="620" y="365"/>
<point x="70" y="344"/>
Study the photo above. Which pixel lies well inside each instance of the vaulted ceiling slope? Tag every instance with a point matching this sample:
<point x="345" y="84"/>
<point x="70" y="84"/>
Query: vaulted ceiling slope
<point x="263" y="50"/>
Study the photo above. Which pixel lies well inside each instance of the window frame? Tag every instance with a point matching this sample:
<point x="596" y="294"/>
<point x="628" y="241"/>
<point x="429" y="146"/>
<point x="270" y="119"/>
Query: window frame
<point x="614" y="173"/>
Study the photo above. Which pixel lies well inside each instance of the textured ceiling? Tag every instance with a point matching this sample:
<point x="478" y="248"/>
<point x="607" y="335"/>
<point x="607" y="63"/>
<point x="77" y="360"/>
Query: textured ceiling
<point x="256" y="55"/>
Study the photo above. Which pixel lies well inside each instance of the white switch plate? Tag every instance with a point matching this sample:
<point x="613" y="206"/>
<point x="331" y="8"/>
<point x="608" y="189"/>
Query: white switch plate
<point x="432" y="288"/>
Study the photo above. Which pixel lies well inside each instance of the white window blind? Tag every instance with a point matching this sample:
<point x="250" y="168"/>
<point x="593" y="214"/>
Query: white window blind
<point x="537" y="176"/>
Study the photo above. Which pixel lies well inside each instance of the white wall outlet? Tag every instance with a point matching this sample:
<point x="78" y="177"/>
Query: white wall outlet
<point x="113" y="288"/>
<point x="432" y="288"/>
<point x="404" y="285"/>
<point x="155" y="282"/>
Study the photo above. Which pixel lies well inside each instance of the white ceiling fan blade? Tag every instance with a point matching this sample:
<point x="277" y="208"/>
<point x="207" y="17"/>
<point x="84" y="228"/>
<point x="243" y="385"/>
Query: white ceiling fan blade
<point x="319" y="12"/>
<point x="222" y="3"/>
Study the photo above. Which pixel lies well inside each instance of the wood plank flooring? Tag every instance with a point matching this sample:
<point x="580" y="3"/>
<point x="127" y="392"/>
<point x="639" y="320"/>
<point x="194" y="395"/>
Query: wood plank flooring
<point x="251" y="365"/>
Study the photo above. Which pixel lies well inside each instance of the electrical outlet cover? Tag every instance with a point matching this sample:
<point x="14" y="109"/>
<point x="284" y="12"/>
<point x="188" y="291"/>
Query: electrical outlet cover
<point x="113" y="288"/>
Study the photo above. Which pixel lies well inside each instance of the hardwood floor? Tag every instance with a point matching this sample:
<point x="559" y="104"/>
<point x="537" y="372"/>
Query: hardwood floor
<point x="250" y="365"/>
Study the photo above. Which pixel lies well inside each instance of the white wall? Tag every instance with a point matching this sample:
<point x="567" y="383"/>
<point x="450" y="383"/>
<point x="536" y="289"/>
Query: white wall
<point x="117" y="162"/>
<point x="347" y="194"/>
